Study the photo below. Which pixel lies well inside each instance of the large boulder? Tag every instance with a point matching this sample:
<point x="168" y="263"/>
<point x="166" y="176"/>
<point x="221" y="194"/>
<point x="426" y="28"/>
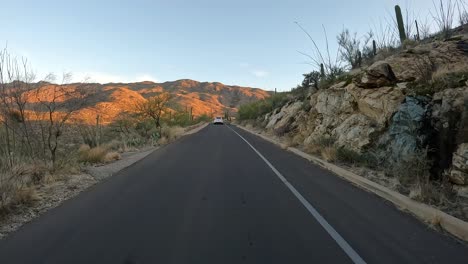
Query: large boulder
<point x="356" y="132"/>
<point x="285" y="117"/>
<point x="379" y="74"/>
<point x="333" y="102"/>
<point x="353" y="115"/>
<point x="459" y="171"/>
<point x="378" y="104"/>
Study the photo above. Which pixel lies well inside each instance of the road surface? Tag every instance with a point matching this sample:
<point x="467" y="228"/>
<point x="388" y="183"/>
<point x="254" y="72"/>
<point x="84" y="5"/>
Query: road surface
<point x="223" y="195"/>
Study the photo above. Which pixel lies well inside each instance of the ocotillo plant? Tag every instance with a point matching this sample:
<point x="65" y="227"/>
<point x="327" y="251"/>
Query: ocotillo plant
<point x="374" y="48"/>
<point x="400" y="23"/>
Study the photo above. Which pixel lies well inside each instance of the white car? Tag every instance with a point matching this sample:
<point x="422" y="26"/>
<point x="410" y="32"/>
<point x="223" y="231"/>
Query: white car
<point x="218" y="121"/>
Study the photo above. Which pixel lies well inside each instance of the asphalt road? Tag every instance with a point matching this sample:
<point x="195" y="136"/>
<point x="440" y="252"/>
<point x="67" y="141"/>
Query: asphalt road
<point x="211" y="198"/>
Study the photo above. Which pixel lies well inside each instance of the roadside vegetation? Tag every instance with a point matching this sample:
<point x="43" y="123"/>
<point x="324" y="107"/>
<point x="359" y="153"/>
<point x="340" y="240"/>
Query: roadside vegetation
<point x="399" y="33"/>
<point x="41" y="141"/>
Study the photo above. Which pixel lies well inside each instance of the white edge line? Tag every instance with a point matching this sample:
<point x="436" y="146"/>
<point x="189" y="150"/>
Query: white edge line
<point x="352" y="254"/>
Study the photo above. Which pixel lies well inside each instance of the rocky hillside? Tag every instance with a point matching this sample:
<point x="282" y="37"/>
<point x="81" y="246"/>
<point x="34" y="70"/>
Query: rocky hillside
<point x="408" y="104"/>
<point x="110" y="99"/>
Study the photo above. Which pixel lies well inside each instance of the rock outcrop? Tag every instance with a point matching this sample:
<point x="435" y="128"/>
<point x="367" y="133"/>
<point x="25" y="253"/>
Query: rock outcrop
<point x="410" y="64"/>
<point x="379" y="111"/>
<point x="459" y="172"/>
<point x="406" y="132"/>
<point x="284" y="118"/>
<point x="377" y="75"/>
<point x="353" y="116"/>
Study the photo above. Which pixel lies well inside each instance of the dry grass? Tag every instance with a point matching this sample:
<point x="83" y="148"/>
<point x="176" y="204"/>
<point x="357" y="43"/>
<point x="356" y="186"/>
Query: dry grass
<point x="446" y="70"/>
<point x="286" y="142"/>
<point x="249" y="126"/>
<point x="112" y="156"/>
<point x="171" y="133"/>
<point x="298" y="139"/>
<point x="83" y="149"/>
<point x="163" y="141"/>
<point x="38" y="172"/>
<point x="25" y="196"/>
<point x="114" y="145"/>
<point x="92" y="155"/>
<point x="436" y="221"/>
<point x="312" y="148"/>
<point x="319" y="144"/>
<point x="329" y="154"/>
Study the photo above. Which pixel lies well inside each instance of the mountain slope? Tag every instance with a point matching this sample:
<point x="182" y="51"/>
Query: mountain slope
<point x="109" y="100"/>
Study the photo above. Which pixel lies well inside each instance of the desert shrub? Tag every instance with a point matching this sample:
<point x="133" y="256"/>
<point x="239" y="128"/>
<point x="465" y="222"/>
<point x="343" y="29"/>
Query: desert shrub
<point x="331" y="78"/>
<point x="300" y="92"/>
<point x="171" y="133"/>
<point x="113" y="144"/>
<point x="409" y="43"/>
<point x="413" y="172"/>
<point x="351" y="48"/>
<point x="38" y="171"/>
<point x="440" y="80"/>
<point x="258" y="108"/>
<point x="163" y="141"/>
<point x="89" y="135"/>
<point x="317" y="144"/>
<point x="92" y="155"/>
<point x="311" y="80"/>
<point x="112" y="156"/>
<point x="298" y="139"/>
<point x="203" y="118"/>
<point x="424" y="67"/>
<point x="25" y="196"/>
<point x="445" y="78"/>
<point x="347" y="155"/>
<point x="370" y="160"/>
<point x="306" y="106"/>
<point x="329" y="153"/>
<point x="16" y="189"/>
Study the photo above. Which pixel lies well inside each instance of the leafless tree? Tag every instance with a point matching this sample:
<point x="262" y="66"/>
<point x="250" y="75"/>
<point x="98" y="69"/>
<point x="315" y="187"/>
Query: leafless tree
<point x="15" y="84"/>
<point x="154" y="107"/>
<point x="56" y="105"/>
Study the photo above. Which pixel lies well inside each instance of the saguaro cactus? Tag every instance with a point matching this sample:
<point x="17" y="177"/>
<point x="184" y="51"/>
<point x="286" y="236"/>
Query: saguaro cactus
<point x="401" y="25"/>
<point x="374" y="47"/>
<point x="418" y="38"/>
<point x="359" y="59"/>
<point x="322" y="70"/>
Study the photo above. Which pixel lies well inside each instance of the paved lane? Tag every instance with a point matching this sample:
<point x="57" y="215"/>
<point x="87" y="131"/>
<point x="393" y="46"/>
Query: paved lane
<point x="209" y="198"/>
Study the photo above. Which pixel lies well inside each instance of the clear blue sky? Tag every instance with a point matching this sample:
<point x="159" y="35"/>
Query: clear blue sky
<point x="252" y="43"/>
